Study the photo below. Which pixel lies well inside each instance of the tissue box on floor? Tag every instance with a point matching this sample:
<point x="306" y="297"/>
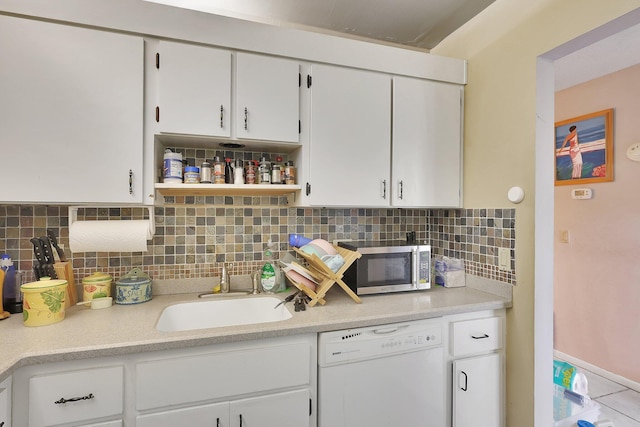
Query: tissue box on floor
<point x="449" y="272"/>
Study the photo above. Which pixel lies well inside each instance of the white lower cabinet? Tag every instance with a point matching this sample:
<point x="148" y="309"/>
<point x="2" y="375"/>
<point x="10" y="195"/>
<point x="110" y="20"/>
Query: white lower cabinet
<point x="62" y="394"/>
<point x="5" y="403"/>
<point x="267" y="383"/>
<point x="476" y="391"/>
<point x="475" y="360"/>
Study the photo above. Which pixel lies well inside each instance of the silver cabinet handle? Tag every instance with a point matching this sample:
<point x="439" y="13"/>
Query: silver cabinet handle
<point x="130" y="181"/>
<point x="384" y="189"/>
<point x="401" y="188"/>
<point x="221" y="116"/>
<point x="246" y="118"/>
<point x="74" y="399"/>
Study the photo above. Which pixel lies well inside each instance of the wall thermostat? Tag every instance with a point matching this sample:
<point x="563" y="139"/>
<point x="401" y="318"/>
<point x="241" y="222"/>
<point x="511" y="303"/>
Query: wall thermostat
<point x="581" y="193"/>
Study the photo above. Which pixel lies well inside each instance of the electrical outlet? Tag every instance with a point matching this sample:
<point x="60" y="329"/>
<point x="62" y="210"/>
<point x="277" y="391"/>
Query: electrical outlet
<point x="564" y="236"/>
<point x="504" y="259"/>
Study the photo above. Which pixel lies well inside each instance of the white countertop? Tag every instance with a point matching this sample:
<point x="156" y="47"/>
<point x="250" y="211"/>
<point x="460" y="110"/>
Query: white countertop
<point x="125" y="329"/>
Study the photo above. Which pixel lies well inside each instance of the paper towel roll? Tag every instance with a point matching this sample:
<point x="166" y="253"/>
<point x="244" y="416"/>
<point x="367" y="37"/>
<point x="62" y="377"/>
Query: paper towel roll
<point x="109" y="236"/>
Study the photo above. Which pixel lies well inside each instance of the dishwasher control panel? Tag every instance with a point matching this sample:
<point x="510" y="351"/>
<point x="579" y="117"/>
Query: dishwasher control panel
<point x="378" y="341"/>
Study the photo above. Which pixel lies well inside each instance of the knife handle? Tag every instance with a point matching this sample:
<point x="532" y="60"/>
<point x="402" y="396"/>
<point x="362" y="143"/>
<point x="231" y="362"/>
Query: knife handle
<point x="54" y="242"/>
<point x="46" y="246"/>
<point x="38" y="250"/>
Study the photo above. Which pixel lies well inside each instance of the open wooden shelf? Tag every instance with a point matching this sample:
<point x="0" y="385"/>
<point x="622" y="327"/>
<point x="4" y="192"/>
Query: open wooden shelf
<point x="170" y="189"/>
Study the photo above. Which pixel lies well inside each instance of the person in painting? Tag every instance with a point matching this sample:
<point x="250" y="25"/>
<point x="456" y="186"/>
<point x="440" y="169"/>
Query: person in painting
<point x="574" y="152"/>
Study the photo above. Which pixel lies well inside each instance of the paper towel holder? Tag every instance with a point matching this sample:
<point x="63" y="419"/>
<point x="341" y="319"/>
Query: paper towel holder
<point x="73" y="215"/>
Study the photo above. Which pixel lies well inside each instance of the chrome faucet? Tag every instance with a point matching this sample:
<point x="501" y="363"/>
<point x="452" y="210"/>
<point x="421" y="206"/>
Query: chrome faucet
<point x="225" y="278"/>
<point x="255" y="279"/>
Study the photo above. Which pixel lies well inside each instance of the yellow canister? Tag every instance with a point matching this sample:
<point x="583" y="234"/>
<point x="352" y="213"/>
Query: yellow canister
<point x="98" y="285"/>
<point x="43" y="302"/>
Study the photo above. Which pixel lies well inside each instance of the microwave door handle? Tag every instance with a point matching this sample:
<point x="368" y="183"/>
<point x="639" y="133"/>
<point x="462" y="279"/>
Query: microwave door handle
<point x="416" y="268"/>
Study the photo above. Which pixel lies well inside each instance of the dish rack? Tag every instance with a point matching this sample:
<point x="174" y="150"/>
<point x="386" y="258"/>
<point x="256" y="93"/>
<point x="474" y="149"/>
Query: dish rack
<point x="325" y="277"/>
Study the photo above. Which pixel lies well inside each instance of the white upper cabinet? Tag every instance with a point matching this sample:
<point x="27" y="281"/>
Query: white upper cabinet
<point x="194" y="90"/>
<point x="267" y="98"/>
<point x="71" y="114"/>
<point x="427" y="143"/>
<point x="349" y="137"/>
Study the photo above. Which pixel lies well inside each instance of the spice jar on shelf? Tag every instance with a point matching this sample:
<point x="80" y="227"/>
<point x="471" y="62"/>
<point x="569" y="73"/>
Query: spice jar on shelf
<point x="205" y="173"/>
<point x="289" y="173"/>
<point x="218" y="170"/>
<point x="250" y="172"/>
<point x="264" y="171"/>
<point x="192" y="175"/>
<point x="238" y="172"/>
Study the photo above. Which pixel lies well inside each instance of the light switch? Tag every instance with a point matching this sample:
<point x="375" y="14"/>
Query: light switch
<point x="504" y="259"/>
<point x="564" y="236"/>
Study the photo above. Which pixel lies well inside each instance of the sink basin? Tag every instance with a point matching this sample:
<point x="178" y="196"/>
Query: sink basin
<point x="224" y="312"/>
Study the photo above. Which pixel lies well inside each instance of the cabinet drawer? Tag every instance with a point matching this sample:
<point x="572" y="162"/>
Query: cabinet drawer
<point x="476" y="336"/>
<point x="221" y="374"/>
<point x="67" y="397"/>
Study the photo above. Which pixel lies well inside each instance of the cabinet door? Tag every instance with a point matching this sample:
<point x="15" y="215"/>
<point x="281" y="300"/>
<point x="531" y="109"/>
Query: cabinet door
<point x="426" y="168"/>
<point x="195" y="90"/>
<point x="267" y="98"/>
<point x="5" y="403"/>
<point x="290" y="409"/>
<point x="477" y="384"/>
<point x="215" y="415"/>
<point x="71" y="113"/>
<point x="350" y="137"/>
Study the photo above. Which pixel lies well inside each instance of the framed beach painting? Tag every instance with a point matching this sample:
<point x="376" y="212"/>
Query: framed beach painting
<point x="584" y="149"/>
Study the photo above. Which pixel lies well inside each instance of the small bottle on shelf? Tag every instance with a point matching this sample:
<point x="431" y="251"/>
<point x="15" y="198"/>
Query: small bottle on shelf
<point x="205" y="173"/>
<point x="238" y="172"/>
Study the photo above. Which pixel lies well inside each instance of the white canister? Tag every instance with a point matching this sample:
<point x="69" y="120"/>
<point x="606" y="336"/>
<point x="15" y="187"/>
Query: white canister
<point x="172" y="167"/>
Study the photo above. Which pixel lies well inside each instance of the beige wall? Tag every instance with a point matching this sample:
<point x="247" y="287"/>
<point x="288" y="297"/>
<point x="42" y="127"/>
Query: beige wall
<point x="502" y="46"/>
<point x="596" y="274"/>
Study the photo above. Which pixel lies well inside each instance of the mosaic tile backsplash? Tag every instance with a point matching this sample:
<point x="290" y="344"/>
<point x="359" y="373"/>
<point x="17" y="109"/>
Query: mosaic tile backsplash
<point x="194" y="235"/>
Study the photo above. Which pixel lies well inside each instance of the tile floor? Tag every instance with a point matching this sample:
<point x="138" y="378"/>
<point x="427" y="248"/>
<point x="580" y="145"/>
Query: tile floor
<point x="617" y="403"/>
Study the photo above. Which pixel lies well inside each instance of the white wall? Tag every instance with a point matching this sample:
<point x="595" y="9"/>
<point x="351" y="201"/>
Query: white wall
<point x="597" y="274"/>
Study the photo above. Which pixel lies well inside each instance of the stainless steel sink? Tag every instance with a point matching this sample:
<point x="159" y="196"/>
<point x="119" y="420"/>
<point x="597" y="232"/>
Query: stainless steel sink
<point x="222" y="312"/>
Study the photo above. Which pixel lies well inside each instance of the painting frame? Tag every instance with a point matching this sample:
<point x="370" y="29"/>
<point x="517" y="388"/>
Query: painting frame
<point x="584" y="149"/>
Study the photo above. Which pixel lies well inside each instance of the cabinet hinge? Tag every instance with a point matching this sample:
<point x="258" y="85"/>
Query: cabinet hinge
<point x="308" y="188"/>
<point x="158" y="60"/>
<point x="308" y="80"/>
<point x="157" y="114"/>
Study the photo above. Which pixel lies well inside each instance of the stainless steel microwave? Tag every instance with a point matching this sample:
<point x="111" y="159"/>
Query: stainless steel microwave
<point x="394" y="266"/>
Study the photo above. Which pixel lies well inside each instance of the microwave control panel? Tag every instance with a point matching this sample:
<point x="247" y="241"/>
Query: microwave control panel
<point x="424" y="266"/>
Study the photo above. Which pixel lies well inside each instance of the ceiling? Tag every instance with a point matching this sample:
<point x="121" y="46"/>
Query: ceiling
<point x="419" y="24"/>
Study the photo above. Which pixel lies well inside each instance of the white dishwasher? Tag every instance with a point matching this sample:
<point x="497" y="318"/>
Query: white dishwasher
<point x="382" y="376"/>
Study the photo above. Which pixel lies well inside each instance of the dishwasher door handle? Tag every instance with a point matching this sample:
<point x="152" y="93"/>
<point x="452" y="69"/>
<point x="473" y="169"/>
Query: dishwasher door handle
<point x="386" y="331"/>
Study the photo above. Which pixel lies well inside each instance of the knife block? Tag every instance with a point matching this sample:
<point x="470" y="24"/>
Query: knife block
<point x="64" y="271"/>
